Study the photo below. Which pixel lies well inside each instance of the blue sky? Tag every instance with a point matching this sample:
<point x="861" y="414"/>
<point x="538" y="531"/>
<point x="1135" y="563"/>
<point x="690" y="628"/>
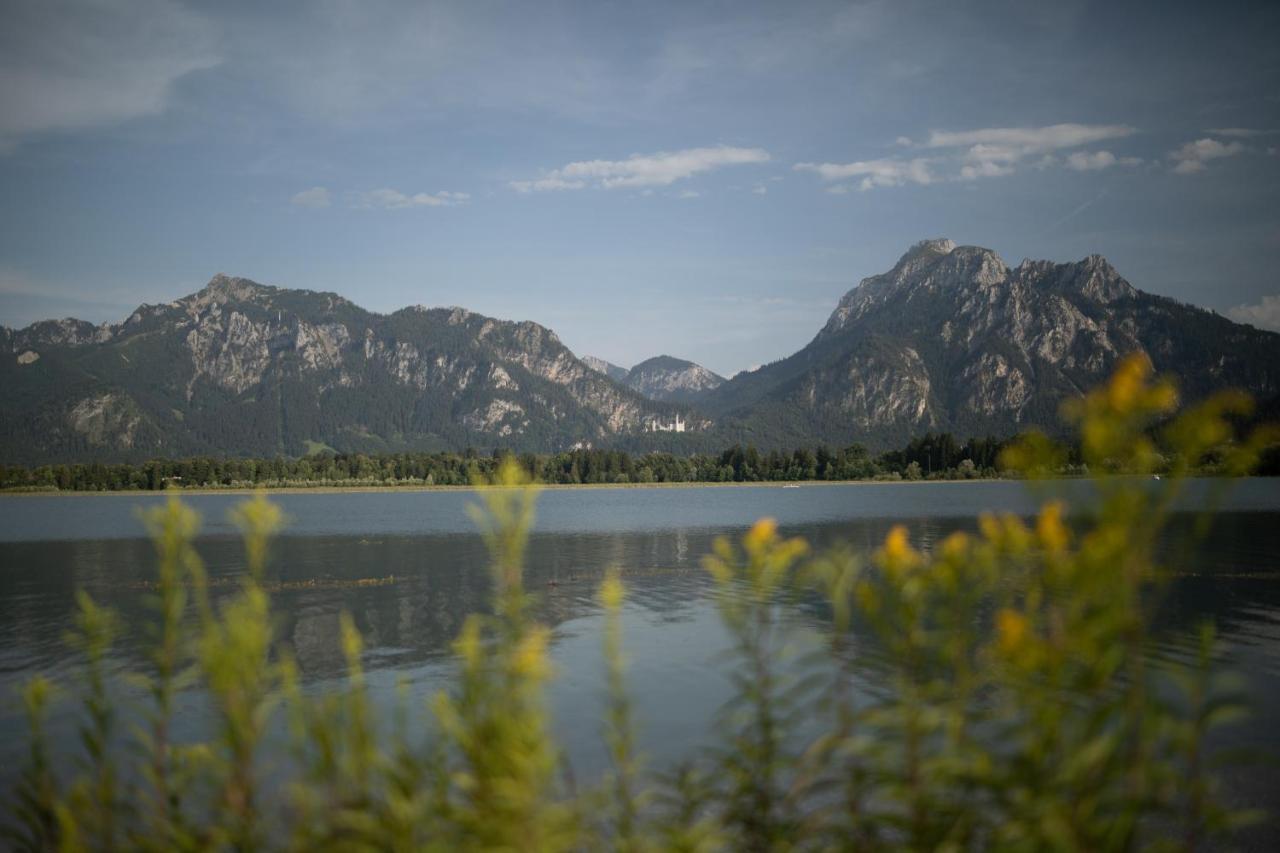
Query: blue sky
<point x="699" y="179"/>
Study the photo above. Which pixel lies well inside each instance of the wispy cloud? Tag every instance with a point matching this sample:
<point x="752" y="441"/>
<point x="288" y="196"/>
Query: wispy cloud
<point x="389" y="199"/>
<point x="1029" y="140"/>
<point x="991" y="152"/>
<point x="1265" y="314"/>
<point x="888" y="172"/>
<point x="72" y="65"/>
<point x="314" y="197"/>
<point x="641" y="170"/>
<point x="1191" y="158"/>
<point x="1092" y="161"/>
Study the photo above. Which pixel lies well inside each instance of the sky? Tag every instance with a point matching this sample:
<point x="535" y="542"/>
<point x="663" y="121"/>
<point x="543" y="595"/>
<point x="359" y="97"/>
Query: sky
<point x="703" y="180"/>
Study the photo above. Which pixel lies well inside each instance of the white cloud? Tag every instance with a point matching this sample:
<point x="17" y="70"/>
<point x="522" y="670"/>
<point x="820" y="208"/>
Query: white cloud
<point x="1191" y="157"/>
<point x="1089" y="161"/>
<point x="688" y="194"/>
<point x="760" y="189"/>
<point x="544" y="184"/>
<point x="1029" y="140"/>
<point x="68" y="65"/>
<point x="314" y="197"/>
<point x="886" y="172"/>
<point x="1265" y="314"/>
<point x="389" y="199"/>
<point x="640" y="170"/>
<point x="993" y="152"/>
<point x="984" y="153"/>
<point x="986" y="165"/>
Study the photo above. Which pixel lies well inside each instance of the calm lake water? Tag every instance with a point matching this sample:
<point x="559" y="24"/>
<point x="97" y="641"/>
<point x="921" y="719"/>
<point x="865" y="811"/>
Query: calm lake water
<point x="52" y="545"/>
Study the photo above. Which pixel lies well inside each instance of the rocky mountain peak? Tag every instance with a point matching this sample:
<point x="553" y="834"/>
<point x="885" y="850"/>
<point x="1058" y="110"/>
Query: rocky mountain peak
<point x="938" y="266"/>
<point x="970" y="265"/>
<point x="223" y="289"/>
<point x="1097" y="279"/>
<point x="671" y="379"/>
<point x="1093" y="278"/>
<point x="930" y="264"/>
<point x="952" y="338"/>
<point x="927" y="251"/>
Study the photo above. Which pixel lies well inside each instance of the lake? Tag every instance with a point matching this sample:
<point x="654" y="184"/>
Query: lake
<point x="422" y="544"/>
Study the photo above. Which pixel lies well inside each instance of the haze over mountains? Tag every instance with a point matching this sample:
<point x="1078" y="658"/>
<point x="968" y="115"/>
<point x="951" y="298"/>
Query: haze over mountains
<point x="951" y="338"/>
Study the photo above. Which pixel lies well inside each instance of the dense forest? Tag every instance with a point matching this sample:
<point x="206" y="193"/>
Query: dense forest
<point x="933" y="456"/>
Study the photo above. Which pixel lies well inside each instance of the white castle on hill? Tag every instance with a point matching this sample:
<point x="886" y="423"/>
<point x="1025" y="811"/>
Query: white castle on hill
<point x="658" y="426"/>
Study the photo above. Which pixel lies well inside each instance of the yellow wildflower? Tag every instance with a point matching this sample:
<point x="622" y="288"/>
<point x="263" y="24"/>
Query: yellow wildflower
<point x="1130" y="376"/>
<point x="761" y="534"/>
<point x="896" y="546"/>
<point x="530" y="658"/>
<point x="954" y="546"/>
<point x="1050" y="528"/>
<point x="1011" y="630"/>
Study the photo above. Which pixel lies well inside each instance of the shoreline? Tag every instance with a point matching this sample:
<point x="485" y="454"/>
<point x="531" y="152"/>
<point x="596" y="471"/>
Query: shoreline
<point x="332" y="489"/>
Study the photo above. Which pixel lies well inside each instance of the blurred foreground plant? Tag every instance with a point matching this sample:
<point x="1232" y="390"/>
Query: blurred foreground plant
<point x="996" y="692"/>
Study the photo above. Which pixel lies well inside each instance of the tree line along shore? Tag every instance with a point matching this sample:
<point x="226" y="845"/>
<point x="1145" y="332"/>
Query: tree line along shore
<point x="933" y="456"/>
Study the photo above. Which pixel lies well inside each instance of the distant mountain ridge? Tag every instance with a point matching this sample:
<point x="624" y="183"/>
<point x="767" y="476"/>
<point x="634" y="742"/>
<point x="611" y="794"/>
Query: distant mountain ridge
<point x="951" y="338"/>
<point x="672" y="379"/>
<point x="245" y="368"/>
<point x="662" y="377"/>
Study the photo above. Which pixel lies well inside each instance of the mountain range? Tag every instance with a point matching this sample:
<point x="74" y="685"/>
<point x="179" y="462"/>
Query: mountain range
<point x="951" y="338"/>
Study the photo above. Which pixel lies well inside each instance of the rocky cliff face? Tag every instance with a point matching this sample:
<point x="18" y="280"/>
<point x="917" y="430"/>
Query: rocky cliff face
<point x="953" y="338"/>
<point x="608" y="368"/>
<point x="672" y="379"/>
<point x="244" y="368"/>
